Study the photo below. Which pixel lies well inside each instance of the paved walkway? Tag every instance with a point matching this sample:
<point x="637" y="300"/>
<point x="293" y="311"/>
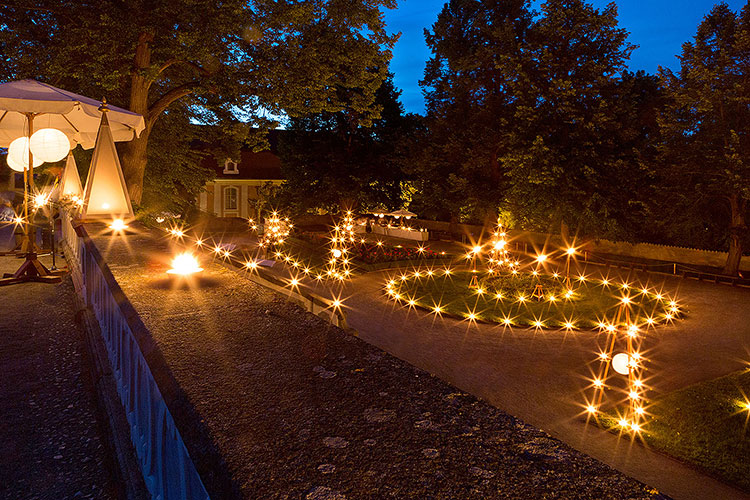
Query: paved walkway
<point x="299" y="409"/>
<point x="50" y="444"/>
<point x="540" y="377"/>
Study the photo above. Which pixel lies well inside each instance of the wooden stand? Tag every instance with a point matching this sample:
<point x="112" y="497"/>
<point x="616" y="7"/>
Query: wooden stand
<point x="30" y="271"/>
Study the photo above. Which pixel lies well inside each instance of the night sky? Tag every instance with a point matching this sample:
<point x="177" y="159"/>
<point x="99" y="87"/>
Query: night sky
<point x="658" y="27"/>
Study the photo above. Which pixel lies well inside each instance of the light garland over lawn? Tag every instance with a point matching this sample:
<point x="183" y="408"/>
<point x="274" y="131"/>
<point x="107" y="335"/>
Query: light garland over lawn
<point x="621" y="312"/>
<point x="625" y="312"/>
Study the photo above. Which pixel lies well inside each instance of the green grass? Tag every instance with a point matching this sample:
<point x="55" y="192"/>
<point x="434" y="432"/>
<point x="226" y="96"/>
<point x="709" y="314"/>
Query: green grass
<point x="590" y="304"/>
<point x="706" y="424"/>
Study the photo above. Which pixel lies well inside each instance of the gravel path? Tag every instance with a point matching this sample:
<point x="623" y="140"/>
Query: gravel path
<point x="50" y="445"/>
<point x="299" y="409"/>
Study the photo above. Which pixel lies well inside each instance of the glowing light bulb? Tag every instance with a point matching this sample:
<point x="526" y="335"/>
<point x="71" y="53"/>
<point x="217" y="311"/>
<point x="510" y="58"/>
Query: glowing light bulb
<point x="570" y="251"/>
<point x="541" y="258"/>
<point x="635" y="427"/>
<point x="598" y="383"/>
<point x="477" y="249"/>
<point x="569" y="325"/>
<point x="118" y="225"/>
<point x="184" y="264"/>
<point x="623" y="422"/>
<point x="591" y="409"/>
<point x="40" y="200"/>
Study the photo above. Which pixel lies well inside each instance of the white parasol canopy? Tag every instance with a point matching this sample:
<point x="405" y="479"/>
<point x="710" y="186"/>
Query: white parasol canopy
<point x="402" y="213"/>
<point x="76" y="116"/>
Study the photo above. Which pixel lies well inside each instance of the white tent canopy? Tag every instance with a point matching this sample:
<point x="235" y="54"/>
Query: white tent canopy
<point x="106" y="195"/>
<point x="402" y="213"/>
<point x="70" y="185"/>
<point x="76" y="116"/>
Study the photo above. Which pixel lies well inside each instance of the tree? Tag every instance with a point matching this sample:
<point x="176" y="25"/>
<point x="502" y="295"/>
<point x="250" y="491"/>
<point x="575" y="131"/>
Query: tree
<point x="565" y="150"/>
<point x="706" y="128"/>
<point x="216" y="58"/>
<point x="476" y="47"/>
<point x="532" y="114"/>
<point x="331" y="161"/>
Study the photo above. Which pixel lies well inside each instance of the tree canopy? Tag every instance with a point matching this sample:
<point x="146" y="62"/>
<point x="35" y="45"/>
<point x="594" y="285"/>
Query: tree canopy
<point x="208" y="60"/>
<point x="532" y="113"/>
<point x="330" y="160"/>
<point x="706" y="129"/>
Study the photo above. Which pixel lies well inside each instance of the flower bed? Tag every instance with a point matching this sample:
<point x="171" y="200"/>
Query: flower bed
<point x="372" y="253"/>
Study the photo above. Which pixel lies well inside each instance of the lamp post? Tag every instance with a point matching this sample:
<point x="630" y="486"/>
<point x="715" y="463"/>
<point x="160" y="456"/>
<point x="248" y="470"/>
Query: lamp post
<point x="570" y="252"/>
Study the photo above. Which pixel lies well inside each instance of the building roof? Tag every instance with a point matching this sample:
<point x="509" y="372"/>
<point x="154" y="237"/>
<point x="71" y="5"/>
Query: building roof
<point x="264" y="165"/>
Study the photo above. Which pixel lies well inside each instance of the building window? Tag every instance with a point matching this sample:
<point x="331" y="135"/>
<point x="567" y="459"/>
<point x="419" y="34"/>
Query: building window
<point x="230" y="198"/>
<point x="230" y="167"/>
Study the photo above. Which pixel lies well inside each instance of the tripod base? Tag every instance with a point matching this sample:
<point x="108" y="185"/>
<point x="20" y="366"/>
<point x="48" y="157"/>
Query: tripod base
<point x="30" y="270"/>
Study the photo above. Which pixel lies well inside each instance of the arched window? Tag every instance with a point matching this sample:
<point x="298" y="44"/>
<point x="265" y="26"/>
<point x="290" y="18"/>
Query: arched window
<point x="230" y="198"/>
<point x="230" y="167"/>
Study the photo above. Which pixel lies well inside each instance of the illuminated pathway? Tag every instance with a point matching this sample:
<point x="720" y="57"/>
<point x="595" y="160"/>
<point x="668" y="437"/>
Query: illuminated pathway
<point x="275" y="402"/>
<point x="540" y="376"/>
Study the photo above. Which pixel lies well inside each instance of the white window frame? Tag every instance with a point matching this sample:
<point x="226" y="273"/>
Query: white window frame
<point x="236" y="190"/>
<point x="230" y="167"/>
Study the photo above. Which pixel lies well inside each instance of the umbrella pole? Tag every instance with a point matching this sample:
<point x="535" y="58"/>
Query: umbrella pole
<point x="31" y="269"/>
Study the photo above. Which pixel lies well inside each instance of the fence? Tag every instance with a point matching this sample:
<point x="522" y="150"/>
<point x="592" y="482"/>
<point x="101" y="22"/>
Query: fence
<point x="168" y="470"/>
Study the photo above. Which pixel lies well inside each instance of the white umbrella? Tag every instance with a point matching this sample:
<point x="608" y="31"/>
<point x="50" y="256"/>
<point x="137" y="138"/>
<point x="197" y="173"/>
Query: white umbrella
<point x="402" y="213"/>
<point x="28" y="105"/>
<point x="76" y="116"/>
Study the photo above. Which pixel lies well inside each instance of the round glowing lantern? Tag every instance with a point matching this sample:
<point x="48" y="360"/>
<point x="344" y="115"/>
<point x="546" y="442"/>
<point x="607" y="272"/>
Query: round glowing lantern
<point x="18" y="155"/>
<point x="49" y="144"/>
<point x="621" y="363"/>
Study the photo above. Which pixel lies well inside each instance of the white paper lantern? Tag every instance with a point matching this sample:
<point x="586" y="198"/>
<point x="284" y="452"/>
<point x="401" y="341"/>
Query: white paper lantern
<point x="49" y="144"/>
<point x="621" y="363"/>
<point x="18" y="155"/>
<point x="13" y="165"/>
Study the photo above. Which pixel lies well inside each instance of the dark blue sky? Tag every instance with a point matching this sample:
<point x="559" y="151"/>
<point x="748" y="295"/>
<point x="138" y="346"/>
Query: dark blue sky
<point x="658" y="27"/>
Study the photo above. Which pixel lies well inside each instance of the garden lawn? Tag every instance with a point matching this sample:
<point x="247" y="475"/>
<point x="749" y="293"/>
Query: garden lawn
<point x="706" y="425"/>
<point x="590" y="304"/>
<point x="312" y="251"/>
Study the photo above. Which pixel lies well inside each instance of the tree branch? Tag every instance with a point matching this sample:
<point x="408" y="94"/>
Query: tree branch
<point x="198" y="69"/>
<point x="168" y="98"/>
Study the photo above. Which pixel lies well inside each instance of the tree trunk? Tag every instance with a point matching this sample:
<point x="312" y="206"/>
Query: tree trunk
<point x="134" y="152"/>
<point x="134" y="165"/>
<point x="737" y="229"/>
<point x="453" y="226"/>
